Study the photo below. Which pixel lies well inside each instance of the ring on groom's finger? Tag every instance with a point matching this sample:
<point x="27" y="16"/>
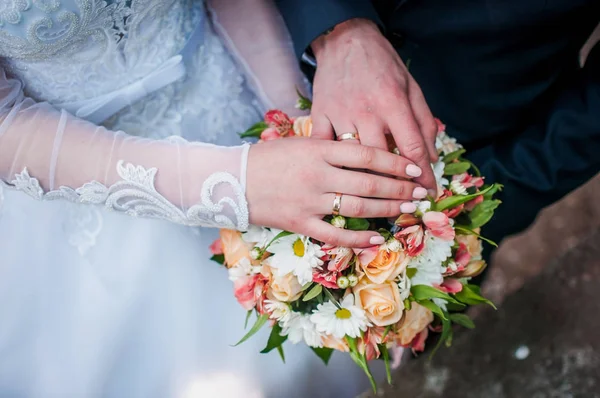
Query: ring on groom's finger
<point x="337" y="204"/>
<point x="348" y="136"/>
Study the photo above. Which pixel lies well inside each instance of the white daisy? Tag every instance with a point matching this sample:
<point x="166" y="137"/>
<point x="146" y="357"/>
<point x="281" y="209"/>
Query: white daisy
<point x="429" y="263"/>
<point x="299" y="328"/>
<point x="458" y="188"/>
<point x="349" y="320"/>
<point x="279" y="311"/>
<point x="295" y="254"/>
<point x="259" y="236"/>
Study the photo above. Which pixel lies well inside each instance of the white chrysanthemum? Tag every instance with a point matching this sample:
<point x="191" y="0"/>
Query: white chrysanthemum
<point x="349" y="320"/>
<point x="277" y="310"/>
<point x="446" y="144"/>
<point x="295" y="254"/>
<point x="423" y="206"/>
<point x="429" y="263"/>
<point x="404" y="285"/>
<point x="392" y="245"/>
<point x="438" y="172"/>
<point x="440" y="303"/>
<point x="458" y="188"/>
<point x="259" y="236"/>
<point x="299" y="328"/>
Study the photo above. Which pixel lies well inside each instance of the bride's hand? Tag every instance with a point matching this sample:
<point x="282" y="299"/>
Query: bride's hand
<point x="292" y="183"/>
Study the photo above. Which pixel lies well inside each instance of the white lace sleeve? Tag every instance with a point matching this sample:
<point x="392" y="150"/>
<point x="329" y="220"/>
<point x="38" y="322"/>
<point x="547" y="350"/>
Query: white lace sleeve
<point x="257" y="36"/>
<point x="49" y="154"/>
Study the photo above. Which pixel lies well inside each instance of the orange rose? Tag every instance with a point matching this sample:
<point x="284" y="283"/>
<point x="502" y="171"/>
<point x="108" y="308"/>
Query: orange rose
<point x="234" y="247"/>
<point x="303" y="126"/>
<point x="415" y="320"/>
<point x="386" y="265"/>
<point x="381" y="302"/>
<point x="284" y="288"/>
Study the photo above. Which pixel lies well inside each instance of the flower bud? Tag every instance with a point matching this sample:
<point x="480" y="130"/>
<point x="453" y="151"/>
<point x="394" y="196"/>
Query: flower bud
<point x="338" y="221"/>
<point x="407" y="220"/>
<point x="256" y="253"/>
<point x="343" y="282"/>
<point x="353" y="279"/>
<point x="472" y="269"/>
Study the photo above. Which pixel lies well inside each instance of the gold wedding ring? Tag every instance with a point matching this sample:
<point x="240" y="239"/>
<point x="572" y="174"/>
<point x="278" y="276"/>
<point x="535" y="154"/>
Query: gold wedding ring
<point x="337" y="204"/>
<point x="348" y="136"/>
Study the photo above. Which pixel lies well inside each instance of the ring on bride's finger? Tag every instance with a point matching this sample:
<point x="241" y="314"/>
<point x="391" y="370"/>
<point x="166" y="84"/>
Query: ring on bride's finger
<point x="348" y="136"/>
<point x="337" y="204"/>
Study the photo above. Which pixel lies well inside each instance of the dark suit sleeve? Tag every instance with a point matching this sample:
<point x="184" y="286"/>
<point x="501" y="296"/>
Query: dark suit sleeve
<point x="550" y="158"/>
<point x="308" y="19"/>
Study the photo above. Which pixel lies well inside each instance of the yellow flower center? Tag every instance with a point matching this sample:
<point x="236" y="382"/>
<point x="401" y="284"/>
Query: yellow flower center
<point x="343" y="313"/>
<point x="298" y="248"/>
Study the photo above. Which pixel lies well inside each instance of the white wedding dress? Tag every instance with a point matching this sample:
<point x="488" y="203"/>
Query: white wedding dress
<point x="94" y="302"/>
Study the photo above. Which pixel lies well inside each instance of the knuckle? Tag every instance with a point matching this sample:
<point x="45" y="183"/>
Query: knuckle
<point x="366" y="155"/>
<point x="358" y="208"/>
<point x="415" y="150"/>
<point x="397" y="165"/>
<point x="400" y="189"/>
<point x="369" y="186"/>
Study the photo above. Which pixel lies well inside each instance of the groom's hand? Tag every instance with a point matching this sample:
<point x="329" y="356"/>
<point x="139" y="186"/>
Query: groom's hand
<point x="362" y="85"/>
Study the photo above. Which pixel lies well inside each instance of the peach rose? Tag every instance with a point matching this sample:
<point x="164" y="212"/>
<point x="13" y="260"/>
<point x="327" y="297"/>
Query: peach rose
<point x="415" y="320"/>
<point x="334" y="343"/>
<point x="284" y="288"/>
<point x="233" y="246"/>
<point x="303" y="126"/>
<point x="386" y="265"/>
<point x="381" y="302"/>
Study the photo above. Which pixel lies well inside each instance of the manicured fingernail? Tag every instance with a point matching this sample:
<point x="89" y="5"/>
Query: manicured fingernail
<point x="377" y="240"/>
<point x="408" y="207"/>
<point x="413" y="171"/>
<point x="419" y="193"/>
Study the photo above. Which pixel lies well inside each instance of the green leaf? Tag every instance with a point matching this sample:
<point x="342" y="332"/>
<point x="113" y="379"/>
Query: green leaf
<point x="357" y="224"/>
<point x="275" y="339"/>
<point x="218" y="258"/>
<point x="361" y="361"/>
<point x="314" y="292"/>
<point x="495" y="188"/>
<point x="323" y="353"/>
<point x="307" y="286"/>
<point x="255" y="130"/>
<point x="476" y="171"/>
<point x="280" y="235"/>
<point x="281" y="354"/>
<point x="333" y="299"/>
<point x="303" y="103"/>
<point x="456" y="168"/>
<point x="455" y="306"/>
<point x="386" y="359"/>
<point x="247" y="319"/>
<point x="445" y="338"/>
<point x="433" y="307"/>
<point x="462" y="320"/>
<point x="470" y="295"/>
<point x="453" y="155"/>
<point x="424" y="292"/>
<point x="469" y="231"/>
<point x="260" y="321"/>
<point x="386" y="331"/>
<point x="457" y="200"/>
<point x="483" y="212"/>
<point x="410" y="272"/>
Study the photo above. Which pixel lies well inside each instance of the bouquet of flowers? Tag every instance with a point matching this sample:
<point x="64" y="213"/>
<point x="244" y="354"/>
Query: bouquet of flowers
<point x="366" y="302"/>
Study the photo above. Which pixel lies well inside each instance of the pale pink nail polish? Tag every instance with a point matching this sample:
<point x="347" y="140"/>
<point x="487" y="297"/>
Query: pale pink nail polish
<point x="419" y="193"/>
<point x="377" y="240"/>
<point x="413" y="171"/>
<point x="408" y="207"/>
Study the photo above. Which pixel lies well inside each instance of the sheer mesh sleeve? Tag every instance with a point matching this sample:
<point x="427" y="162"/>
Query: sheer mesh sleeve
<point x="257" y="36"/>
<point x="50" y="154"/>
